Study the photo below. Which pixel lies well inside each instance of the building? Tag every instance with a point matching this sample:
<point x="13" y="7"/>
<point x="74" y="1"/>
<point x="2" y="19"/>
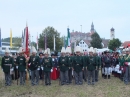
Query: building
<point x="77" y="36"/>
<point x="126" y="44"/>
<point x="83" y="39"/>
<point x="7" y="45"/>
<point x="84" y="44"/>
<point x="112" y="33"/>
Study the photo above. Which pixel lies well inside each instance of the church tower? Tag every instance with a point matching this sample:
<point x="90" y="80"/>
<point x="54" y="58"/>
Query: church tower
<point x="92" y="28"/>
<point x="112" y="33"/>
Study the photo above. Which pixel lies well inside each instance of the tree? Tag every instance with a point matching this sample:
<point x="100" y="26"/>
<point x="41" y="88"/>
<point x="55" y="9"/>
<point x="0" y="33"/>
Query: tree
<point x="50" y="32"/>
<point x="113" y="44"/>
<point x="96" y="40"/>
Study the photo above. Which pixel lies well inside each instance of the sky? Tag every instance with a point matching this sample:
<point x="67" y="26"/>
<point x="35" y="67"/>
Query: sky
<point x="60" y="14"/>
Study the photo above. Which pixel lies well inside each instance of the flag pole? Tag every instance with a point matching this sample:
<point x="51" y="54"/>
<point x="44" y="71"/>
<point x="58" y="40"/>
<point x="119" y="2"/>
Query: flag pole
<point x="54" y="43"/>
<point x="37" y="40"/>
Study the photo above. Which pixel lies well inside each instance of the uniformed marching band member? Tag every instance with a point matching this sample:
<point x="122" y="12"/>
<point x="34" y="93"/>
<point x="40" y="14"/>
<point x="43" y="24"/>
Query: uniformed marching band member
<point x="21" y="61"/>
<point x="13" y="73"/>
<point x="7" y="66"/>
<point x="78" y="66"/>
<point x="40" y="62"/>
<point x="107" y="65"/>
<point x="15" y="69"/>
<point x="127" y="66"/>
<point x="85" y="69"/>
<point x="98" y="64"/>
<point x="68" y="54"/>
<point x="63" y="67"/>
<point x="34" y="67"/>
<point x="47" y="65"/>
<point x="91" y="66"/>
<point x="102" y="64"/>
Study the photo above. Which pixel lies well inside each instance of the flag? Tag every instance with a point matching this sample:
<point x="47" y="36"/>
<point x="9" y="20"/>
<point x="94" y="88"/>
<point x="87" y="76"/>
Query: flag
<point x="26" y="40"/>
<point x="10" y="38"/>
<point x="37" y="41"/>
<point x="29" y="40"/>
<point x="0" y="41"/>
<point x="68" y="37"/>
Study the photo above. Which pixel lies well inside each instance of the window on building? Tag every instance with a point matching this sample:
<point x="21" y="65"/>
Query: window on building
<point x="80" y="42"/>
<point x="83" y="42"/>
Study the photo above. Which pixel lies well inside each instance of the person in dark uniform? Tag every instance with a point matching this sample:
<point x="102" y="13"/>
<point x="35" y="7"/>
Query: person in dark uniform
<point x="63" y="67"/>
<point x="47" y="65"/>
<point x="70" y="60"/>
<point x="7" y="65"/>
<point x="98" y="64"/>
<point x="91" y="67"/>
<point x="40" y="62"/>
<point x="16" y="67"/>
<point x="21" y="61"/>
<point x="34" y="67"/>
<point x="107" y="64"/>
<point x="13" y="73"/>
<point x="78" y="66"/>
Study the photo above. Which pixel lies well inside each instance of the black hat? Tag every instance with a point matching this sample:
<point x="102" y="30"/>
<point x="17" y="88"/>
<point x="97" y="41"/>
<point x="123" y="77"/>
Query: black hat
<point x="40" y="53"/>
<point x="52" y="54"/>
<point x="13" y="54"/>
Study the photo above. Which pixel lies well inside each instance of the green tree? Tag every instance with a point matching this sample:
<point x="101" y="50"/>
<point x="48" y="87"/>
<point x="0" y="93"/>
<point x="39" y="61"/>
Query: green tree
<point x="96" y="40"/>
<point x="113" y="44"/>
<point x="50" y="32"/>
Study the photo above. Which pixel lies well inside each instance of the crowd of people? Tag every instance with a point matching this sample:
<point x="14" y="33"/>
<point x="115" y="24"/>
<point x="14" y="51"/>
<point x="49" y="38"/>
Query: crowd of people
<point x="68" y="68"/>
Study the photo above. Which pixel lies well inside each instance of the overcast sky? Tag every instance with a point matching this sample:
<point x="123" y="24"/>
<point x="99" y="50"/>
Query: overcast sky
<point x="60" y="14"/>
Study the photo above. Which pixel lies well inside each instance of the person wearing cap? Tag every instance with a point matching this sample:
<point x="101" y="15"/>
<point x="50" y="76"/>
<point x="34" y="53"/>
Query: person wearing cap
<point x="68" y="54"/>
<point x="85" y="69"/>
<point x="107" y="64"/>
<point x="127" y="66"/>
<point x="7" y="65"/>
<point x="63" y="66"/>
<point x="102" y="64"/>
<point x="15" y="66"/>
<point x="34" y="67"/>
<point x="21" y="62"/>
<point x="91" y="66"/>
<point x="47" y="65"/>
<point x="40" y="62"/>
<point x="13" y="74"/>
<point x="78" y="66"/>
<point x="98" y="64"/>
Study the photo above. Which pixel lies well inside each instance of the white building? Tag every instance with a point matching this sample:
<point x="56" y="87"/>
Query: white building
<point x="7" y="45"/>
<point x="84" y="44"/>
<point x="112" y="33"/>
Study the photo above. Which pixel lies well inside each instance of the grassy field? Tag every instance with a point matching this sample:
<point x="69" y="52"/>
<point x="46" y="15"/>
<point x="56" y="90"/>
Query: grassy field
<point x="104" y="88"/>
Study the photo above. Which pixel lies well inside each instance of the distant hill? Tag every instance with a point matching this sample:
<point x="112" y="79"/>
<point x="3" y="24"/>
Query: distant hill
<point x="14" y="39"/>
